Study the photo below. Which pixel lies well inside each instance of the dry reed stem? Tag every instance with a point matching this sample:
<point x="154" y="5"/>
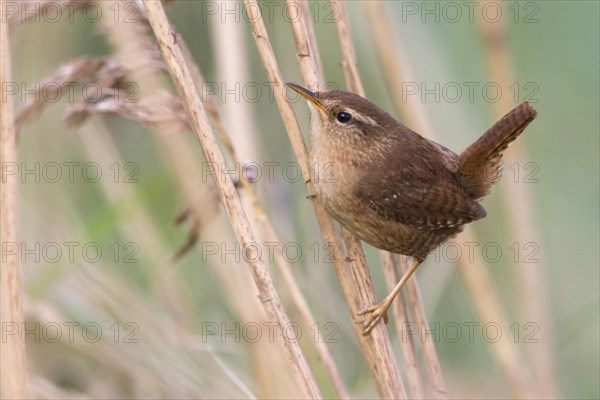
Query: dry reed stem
<point x="270" y="234"/>
<point x="388" y="261"/>
<point x="349" y="63"/>
<point x="377" y="350"/>
<point x="475" y="275"/>
<point x="312" y="38"/>
<point x="137" y="61"/>
<point x="430" y="356"/>
<point x="534" y="296"/>
<point x="170" y="121"/>
<point x="312" y="72"/>
<point x="306" y="50"/>
<point x="309" y="55"/>
<point x="12" y="363"/>
<point x="243" y="232"/>
<point x="432" y="363"/>
<point x="355" y="280"/>
<point x="400" y="314"/>
<point x="303" y="308"/>
<point x="486" y="301"/>
<point x="231" y="66"/>
<point x="167" y="122"/>
<point x="429" y="353"/>
<point x="396" y="69"/>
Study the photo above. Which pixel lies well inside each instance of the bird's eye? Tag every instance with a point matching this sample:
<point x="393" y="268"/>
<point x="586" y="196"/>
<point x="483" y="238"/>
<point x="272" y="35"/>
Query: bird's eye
<point x="343" y="117"/>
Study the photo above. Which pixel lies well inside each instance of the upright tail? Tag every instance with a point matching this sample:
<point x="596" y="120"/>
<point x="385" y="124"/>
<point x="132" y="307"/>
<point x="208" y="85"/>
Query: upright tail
<point x="480" y="164"/>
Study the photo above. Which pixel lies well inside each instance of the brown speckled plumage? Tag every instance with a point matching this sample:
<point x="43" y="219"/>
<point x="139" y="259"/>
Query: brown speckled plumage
<point x="393" y="188"/>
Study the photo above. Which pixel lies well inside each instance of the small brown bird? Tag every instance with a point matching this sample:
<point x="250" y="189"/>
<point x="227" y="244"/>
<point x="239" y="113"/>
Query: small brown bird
<point x="393" y="188"/>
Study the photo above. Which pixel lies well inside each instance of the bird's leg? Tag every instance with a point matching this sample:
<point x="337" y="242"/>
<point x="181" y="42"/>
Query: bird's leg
<point x="376" y="311"/>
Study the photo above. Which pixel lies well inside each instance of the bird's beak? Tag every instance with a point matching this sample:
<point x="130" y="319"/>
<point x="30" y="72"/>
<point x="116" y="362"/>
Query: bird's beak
<point x="312" y="97"/>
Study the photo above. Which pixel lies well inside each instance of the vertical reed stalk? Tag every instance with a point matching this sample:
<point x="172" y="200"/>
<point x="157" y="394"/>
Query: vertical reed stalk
<point x="240" y="224"/>
<point x="12" y="364"/>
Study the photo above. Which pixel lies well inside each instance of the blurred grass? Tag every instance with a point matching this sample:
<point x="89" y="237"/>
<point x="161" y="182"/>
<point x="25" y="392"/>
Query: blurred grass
<point x="559" y="53"/>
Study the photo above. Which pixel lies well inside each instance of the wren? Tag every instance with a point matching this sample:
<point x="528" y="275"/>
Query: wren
<point x="393" y="188"/>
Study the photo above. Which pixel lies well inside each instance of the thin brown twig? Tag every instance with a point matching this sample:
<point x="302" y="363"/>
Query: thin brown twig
<point x="180" y="156"/>
<point x="432" y="362"/>
<point x="430" y="355"/>
<point x="349" y="63"/>
<point x="239" y="222"/>
<point x="353" y="276"/>
<point x="271" y="236"/>
<point x="311" y="72"/>
<point x="388" y="262"/>
<point x="400" y="313"/>
<point x="306" y="51"/>
<point x="303" y="308"/>
<point x="12" y="364"/>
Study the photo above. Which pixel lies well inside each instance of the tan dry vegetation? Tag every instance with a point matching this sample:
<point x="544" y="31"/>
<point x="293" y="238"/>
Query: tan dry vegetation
<point x="168" y="354"/>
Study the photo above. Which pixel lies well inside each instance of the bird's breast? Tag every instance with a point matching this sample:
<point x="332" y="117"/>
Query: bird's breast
<point x="335" y="179"/>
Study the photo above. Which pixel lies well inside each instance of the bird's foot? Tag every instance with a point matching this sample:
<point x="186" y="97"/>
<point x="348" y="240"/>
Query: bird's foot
<point x="373" y="314"/>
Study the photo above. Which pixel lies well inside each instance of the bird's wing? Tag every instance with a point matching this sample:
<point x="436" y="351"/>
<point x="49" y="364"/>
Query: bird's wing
<point x="423" y="195"/>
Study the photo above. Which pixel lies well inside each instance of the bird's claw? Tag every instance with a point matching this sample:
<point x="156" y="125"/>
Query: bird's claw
<point x="373" y="315"/>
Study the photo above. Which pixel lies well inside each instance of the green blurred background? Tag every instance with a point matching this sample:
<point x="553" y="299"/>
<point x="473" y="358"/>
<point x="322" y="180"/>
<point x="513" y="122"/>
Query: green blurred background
<point x="555" y="54"/>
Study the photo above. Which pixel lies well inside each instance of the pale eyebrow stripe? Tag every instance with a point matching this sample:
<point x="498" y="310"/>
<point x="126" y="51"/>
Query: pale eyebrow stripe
<point x="357" y="115"/>
<point x="361" y="117"/>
